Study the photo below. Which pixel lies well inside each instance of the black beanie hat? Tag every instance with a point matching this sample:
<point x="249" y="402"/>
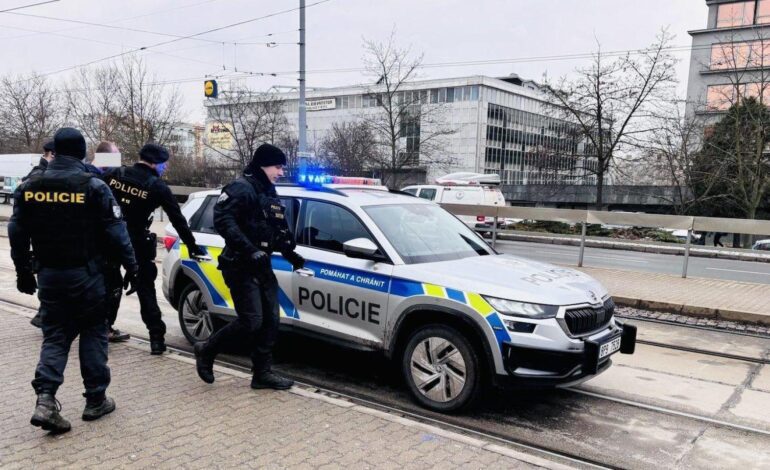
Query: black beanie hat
<point x="153" y="153"/>
<point x="49" y="146"/>
<point x="70" y="142"/>
<point x="265" y="155"/>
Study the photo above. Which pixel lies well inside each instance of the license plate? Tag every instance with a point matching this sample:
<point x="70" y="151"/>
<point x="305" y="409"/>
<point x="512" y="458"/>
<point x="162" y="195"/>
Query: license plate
<point x="609" y="347"/>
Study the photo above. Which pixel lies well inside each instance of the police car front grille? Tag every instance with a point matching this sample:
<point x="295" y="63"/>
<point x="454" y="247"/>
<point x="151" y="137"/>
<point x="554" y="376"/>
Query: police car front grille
<point x="585" y="320"/>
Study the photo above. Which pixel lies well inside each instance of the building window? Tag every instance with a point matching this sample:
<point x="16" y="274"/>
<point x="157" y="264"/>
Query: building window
<point x="735" y="14"/>
<point x="739" y="55"/>
<point x="763" y="12"/>
<point x="720" y="97"/>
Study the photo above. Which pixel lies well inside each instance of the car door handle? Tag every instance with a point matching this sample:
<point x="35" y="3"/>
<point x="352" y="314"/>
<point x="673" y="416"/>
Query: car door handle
<point x="305" y="272"/>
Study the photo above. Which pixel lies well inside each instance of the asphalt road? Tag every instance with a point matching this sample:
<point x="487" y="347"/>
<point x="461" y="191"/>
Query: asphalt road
<point x="745" y="271"/>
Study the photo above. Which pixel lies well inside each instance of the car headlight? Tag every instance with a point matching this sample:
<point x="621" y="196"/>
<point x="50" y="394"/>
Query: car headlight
<point x="522" y="309"/>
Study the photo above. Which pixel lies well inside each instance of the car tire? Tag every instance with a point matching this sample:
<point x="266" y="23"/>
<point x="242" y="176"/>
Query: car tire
<point x="195" y="319"/>
<point x="441" y="368"/>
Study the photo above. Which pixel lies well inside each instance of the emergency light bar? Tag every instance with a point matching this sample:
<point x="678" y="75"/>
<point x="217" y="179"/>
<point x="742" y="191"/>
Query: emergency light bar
<point x="320" y="179"/>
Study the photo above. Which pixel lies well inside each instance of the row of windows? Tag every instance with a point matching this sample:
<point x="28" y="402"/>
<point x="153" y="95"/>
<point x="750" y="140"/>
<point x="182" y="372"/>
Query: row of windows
<point x="743" y="13"/>
<point x="436" y="95"/>
<point x="721" y="97"/>
<point x="739" y="55"/>
<point x="522" y="177"/>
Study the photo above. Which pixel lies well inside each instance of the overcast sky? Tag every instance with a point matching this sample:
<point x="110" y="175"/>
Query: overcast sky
<point x="444" y="30"/>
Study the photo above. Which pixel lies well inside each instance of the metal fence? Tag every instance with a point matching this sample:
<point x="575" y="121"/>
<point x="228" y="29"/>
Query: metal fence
<point x="585" y="217"/>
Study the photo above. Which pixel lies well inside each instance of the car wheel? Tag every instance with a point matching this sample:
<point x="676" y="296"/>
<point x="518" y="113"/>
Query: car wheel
<point x="441" y="368"/>
<point x="194" y="316"/>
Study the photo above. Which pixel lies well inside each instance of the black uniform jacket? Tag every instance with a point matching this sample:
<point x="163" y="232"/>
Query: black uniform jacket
<point x="101" y="204"/>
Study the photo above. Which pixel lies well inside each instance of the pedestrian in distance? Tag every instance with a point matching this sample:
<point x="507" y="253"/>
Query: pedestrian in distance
<point x="250" y="217"/>
<point x="140" y="190"/>
<point x="69" y="218"/>
<point x="48" y="154"/>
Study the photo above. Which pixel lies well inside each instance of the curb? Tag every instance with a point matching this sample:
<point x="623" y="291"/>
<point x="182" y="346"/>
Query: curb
<point x="625" y="246"/>
<point x="693" y="311"/>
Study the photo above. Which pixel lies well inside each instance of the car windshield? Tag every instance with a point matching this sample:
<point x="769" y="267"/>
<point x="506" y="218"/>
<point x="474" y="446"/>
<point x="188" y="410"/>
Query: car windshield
<point x="424" y="233"/>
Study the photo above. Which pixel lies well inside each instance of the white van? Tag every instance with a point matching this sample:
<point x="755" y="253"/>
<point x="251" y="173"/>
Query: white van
<point x="464" y="188"/>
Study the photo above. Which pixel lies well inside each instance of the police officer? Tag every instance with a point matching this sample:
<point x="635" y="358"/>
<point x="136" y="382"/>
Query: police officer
<point x="139" y="191"/>
<point x="48" y="154"/>
<point x="67" y="215"/>
<point x="250" y="218"/>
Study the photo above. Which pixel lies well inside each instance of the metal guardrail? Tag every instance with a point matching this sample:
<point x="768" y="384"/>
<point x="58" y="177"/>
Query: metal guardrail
<point x="585" y="217"/>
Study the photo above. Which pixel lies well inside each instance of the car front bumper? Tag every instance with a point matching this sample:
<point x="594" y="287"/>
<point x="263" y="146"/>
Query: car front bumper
<point x="529" y="367"/>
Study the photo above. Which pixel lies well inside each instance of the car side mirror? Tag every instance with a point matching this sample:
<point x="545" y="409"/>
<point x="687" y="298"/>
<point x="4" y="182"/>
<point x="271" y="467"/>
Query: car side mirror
<point x="362" y="248"/>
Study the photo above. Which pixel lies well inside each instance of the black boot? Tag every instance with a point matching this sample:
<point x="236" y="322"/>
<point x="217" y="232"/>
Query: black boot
<point x="47" y="415"/>
<point x="157" y="345"/>
<point x="117" y="336"/>
<point x="269" y="379"/>
<point x="97" y="406"/>
<point x="37" y="320"/>
<point x="204" y="363"/>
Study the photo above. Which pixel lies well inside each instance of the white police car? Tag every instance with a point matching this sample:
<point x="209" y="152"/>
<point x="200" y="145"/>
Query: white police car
<point x="399" y="274"/>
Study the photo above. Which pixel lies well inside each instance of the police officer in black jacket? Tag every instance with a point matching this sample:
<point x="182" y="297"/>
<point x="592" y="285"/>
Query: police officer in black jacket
<point x="250" y="218"/>
<point x="139" y="191"/>
<point x="48" y="154"/>
<point x="66" y="215"/>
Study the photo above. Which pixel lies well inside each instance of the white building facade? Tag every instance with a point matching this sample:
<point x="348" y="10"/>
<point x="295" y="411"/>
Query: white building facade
<point x="500" y="126"/>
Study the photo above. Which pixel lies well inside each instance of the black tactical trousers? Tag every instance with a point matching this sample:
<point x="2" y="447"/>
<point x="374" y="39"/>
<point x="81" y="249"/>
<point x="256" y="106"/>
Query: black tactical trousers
<point x="113" y="280"/>
<point x="256" y="303"/>
<point x="72" y="305"/>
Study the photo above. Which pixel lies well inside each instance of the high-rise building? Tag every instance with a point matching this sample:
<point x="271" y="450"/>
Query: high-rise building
<point x="730" y="57"/>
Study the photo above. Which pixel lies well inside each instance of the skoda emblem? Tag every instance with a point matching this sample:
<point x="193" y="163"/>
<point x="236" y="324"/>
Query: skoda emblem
<point x="594" y="299"/>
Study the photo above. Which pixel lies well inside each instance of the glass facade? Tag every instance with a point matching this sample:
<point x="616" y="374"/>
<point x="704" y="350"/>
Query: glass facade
<point x="721" y="97"/>
<point x="739" y="55"/>
<point x="735" y="14"/>
<point x="528" y="148"/>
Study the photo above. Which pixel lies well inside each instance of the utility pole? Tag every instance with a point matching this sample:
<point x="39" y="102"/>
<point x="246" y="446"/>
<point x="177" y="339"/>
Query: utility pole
<point x="302" y="108"/>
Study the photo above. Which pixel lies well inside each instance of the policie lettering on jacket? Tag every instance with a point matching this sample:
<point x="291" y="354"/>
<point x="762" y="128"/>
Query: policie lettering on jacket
<point x="128" y="189"/>
<point x="64" y="198"/>
<point x="338" y="305"/>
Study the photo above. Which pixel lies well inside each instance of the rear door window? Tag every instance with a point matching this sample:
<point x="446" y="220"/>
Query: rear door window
<point x="428" y="193"/>
<point x="203" y="219"/>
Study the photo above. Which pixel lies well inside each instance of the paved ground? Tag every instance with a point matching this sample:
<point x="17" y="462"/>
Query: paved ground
<point x="167" y="418"/>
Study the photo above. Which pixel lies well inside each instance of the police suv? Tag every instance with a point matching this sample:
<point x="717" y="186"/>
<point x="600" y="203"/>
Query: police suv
<point x="399" y="274"/>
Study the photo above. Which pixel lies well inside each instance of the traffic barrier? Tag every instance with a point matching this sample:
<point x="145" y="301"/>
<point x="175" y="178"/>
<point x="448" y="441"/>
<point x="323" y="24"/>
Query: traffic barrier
<point x="631" y="219"/>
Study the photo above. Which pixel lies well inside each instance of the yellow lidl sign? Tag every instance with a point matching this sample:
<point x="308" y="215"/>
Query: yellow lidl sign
<point x="210" y="88"/>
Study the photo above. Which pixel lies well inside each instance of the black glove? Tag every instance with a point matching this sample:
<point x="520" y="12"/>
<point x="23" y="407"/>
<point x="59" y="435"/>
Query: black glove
<point x="129" y="280"/>
<point x="195" y="251"/>
<point x="260" y="261"/>
<point x="26" y="282"/>
<point x="296" y="260"/>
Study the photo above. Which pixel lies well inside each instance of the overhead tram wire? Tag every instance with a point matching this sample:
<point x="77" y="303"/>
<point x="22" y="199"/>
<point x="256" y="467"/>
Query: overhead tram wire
<point x="7" y="10"/>
<point x="126" y="18"/>
<point x="171" y="41"/>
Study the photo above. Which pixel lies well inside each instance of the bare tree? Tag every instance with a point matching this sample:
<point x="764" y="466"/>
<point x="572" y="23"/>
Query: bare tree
<point x="92" y="97"/>
<point x="670" y="152"/>
<point x="148" y="111"/>
<point x="349" y="147"/>
<point x="123" y="103"/>
<point x="29" y="113"/>
<point x="609" y="98"/>
<point x="251" y="118"/>
<point x="410" y="129"/>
